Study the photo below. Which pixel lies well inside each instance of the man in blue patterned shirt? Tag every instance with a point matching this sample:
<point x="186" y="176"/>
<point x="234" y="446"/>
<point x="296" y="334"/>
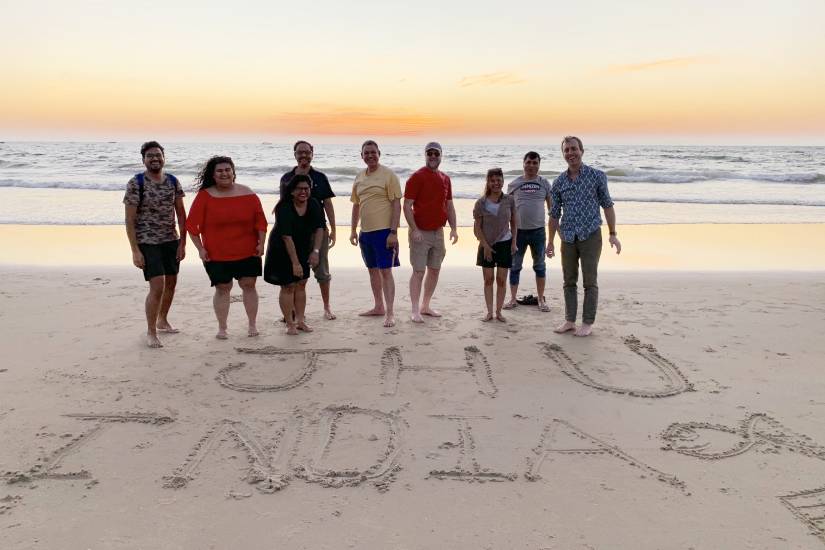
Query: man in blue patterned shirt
<point x="577" y="194"/>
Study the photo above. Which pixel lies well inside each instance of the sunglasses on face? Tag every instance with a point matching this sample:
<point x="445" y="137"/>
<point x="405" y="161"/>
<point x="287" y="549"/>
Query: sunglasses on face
<point x="433" y="154"/>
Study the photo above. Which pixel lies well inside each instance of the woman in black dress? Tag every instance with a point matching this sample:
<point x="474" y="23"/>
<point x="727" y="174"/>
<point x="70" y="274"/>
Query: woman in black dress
<point x="294" y="246"/>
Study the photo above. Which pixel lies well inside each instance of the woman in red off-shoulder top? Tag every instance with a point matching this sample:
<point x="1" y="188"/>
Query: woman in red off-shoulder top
<point x="228" y="227"/>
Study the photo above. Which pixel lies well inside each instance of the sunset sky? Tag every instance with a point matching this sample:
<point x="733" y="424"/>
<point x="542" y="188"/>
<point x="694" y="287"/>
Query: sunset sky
<point x="619" y="72"/>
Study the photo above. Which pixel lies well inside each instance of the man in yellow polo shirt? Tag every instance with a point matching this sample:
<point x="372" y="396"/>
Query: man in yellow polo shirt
<point x="376" y="202"/>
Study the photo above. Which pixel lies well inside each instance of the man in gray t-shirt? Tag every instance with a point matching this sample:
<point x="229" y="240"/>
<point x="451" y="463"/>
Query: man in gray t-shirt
<point x="531" y="193"/>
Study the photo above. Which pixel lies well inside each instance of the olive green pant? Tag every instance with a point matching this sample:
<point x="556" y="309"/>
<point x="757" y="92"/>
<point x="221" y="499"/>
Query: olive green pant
<point x="586" y="252"/>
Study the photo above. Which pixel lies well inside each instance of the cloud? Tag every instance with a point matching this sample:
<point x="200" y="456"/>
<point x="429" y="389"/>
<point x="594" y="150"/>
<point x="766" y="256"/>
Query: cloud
<point x="333" y="120"/>
<point x="670" y="63"/>
<point x="491" y="79"/>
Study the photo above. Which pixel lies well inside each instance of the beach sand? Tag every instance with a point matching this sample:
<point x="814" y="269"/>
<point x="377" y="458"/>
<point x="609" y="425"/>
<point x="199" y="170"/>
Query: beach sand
<point x="692" y="418"/>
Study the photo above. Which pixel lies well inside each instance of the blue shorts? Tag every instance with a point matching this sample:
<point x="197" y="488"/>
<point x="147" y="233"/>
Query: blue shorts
<point x="375" y="252"/>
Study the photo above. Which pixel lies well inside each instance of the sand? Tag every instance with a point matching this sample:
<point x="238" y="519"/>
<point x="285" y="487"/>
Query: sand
<point x="692" y="418"/>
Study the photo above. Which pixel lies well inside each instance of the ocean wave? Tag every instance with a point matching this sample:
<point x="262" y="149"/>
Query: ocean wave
<point x="688" y="200"/>
<point x="677" y="176"/>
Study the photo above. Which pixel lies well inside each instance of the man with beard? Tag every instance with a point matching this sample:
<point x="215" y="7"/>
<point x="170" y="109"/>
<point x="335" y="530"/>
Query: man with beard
<point x="428" y="205"/>
<point x="322" y="193"/>
<point x="153" y="199"/>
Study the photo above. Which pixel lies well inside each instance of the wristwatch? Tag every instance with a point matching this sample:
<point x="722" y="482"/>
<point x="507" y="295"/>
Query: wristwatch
<point x="316" y="251"/>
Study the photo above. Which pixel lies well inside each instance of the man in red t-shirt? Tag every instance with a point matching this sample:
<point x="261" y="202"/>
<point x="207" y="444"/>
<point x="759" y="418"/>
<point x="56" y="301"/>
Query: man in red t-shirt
<point x="428" y="205"/>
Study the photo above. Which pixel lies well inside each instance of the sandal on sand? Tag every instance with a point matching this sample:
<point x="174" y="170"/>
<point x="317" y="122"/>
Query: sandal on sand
<point x="544" y="307"/>
<point x="528" y="300"/>
<point x="510" y="305"/>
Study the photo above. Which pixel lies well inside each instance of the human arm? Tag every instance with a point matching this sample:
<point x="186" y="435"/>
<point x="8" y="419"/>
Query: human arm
<point x="315" y="254"/>
<point x="330" y="211"/>
<point x="513" y="227"/>
<point x="131" y="218"/>
<point x="482" y="240"/>
<point x="353" y="234"/>
<point x="451" y="220"/>
<point x="415" y="234"/>
<point x="552" y="229"/>
<point x="392" y="238"/>
<point x="554" y="209"/>
<point x="610" y="217"/>
<point x="195" y="222"/>
<point x="180" y="212"/>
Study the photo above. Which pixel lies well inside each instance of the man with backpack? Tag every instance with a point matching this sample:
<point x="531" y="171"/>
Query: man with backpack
<point x="153" y="199"/>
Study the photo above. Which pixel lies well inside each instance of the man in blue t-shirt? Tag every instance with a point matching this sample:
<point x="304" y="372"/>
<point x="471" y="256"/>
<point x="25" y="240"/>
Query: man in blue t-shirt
<point x="321" y="192"/>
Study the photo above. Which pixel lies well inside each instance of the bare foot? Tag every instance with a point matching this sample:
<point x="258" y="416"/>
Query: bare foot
<point x="416" y="318"/>
<point x="567" y="326"/>
<point x="389" y="321"/>
<point x="303" y="326"/>
<point x="374" y="312"/>
<point x="253" y="331"/>
<point x="429" y="311"/>
<point x="292" y="330"/>
<point x="488" y="317"/>
<point x="221" y="335"/>
<point x="152" y="341"/>
<point x="329" y="315"/>
<point x="500" y="318"/>
<point x="584" y="330"/>
<point x="164" y="326"/>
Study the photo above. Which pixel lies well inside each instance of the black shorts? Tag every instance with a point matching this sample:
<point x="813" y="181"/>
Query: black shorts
<point x="502" y="255"/>
<point x="160" y="259"/>
<point x="223" y="272"/>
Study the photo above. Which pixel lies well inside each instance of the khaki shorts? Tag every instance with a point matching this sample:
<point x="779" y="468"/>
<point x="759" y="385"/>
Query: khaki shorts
<point x="321" y="271"/>
<point x="429" y="252"/>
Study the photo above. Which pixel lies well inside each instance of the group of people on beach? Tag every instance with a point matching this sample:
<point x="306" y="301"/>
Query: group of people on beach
<point x="227" y="225"/>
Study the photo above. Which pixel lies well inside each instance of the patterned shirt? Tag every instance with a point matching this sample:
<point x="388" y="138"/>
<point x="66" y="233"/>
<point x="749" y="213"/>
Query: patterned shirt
<point x="155" y="222"/>
<point x="577" y="203"/>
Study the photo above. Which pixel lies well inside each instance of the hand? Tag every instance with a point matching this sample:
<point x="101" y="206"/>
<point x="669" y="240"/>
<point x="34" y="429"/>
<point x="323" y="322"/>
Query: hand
<point x="453" y="236"/>
<point x="137" y="259"/>
<point x="297" y="270"/>
<point x="259" y="250"/>
<point x="353" y="238"/>
<point x="314" y="257"/>
<point x="181" y="251"/>
<point x="415" y="235"/>
<point x="513" y="246"/>
<point x="614" y="241"/>
<point x="488" y="252"/>
<point x="550" y="251"/>
<point x="392" y="241"/>
<point x="203" y="254"/>
<point x="332" y="237"/>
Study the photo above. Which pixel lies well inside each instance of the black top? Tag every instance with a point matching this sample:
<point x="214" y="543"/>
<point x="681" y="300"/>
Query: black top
<point x="320" y="189"/>
<point x="300" y="228"/>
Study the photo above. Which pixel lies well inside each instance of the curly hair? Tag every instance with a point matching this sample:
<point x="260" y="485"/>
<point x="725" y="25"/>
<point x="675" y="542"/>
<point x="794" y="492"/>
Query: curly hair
<point x="206" y="176"/>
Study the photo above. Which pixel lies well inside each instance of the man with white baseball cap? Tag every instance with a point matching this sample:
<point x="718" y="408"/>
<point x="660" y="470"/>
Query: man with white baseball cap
<point x="428" y="206"/>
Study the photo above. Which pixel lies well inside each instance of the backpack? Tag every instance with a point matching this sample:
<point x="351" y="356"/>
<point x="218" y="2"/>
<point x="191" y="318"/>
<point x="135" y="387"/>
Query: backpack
<point x="140" y="179"/>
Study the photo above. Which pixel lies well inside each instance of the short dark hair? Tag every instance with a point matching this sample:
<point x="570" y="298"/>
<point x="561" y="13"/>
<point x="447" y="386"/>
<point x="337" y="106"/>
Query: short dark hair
<point x="532" y="155"/>
<point x="150" y="145"/>
<point x="206" y="176"/>
<point x="300" y="141"/>
<point x="572" y="138"/>
<point x="370" y="142"/>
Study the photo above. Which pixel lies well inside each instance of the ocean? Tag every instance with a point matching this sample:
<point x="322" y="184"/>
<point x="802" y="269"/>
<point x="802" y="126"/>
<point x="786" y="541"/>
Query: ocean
<point x="82" y="183"/>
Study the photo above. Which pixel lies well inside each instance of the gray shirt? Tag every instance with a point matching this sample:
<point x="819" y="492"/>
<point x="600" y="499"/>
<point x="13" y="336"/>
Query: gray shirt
<point x="530" y="196"/>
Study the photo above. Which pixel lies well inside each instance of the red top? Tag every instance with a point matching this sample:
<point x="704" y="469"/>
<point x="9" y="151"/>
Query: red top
<point x="430" y="191"/>
<point x="228" y="226"/>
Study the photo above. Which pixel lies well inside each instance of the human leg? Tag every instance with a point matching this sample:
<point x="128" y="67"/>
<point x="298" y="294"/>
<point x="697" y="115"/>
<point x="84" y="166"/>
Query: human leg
<point x="250" y="302"/>
<point x="220" y="302"/>
<point x="501" y="291"/>
<point x="286" y="299"/>
<point x="515" y="268"/>
<point x="591" y="251"/>
<point x="377" y="293"/>
<point x="388" y="289"/>
<point x="152" y="307"/>
<point x="169" y="284"/>
<point x="570" y="274"/>
<point x="322" y="275"/>
<point x="416" y="280"/>
<point x="300" y="306"/>
<point x="488" y="275"/>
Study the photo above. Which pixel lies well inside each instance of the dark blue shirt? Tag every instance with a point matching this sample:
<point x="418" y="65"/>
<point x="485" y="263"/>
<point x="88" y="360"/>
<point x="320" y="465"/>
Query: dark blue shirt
<point x="577" y="203"/>
<point x="320" y="189"/>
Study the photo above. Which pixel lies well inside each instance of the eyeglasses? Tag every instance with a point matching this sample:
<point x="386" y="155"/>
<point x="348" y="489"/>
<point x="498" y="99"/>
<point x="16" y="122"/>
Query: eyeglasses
<point x="302" y="189"/>
<point x="433" y="154"/>
<point x="154" y="155"/>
